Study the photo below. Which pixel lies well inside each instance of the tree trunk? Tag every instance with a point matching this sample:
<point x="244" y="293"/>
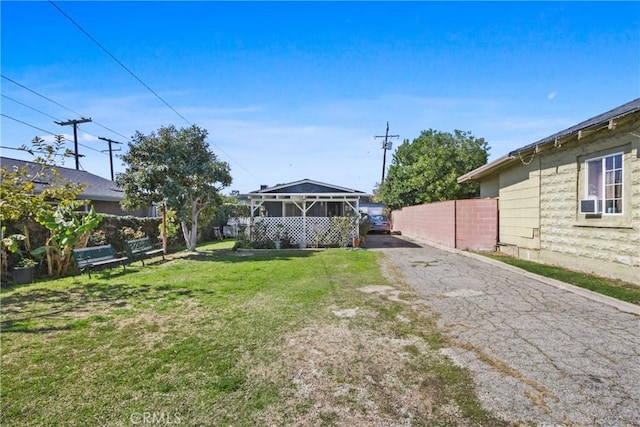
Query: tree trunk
<point x="186" y="232"/>
<point x="191" y="236"/>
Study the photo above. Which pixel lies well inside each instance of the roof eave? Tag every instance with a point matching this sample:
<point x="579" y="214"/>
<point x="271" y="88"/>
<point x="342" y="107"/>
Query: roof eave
<point x="485" y="170"/>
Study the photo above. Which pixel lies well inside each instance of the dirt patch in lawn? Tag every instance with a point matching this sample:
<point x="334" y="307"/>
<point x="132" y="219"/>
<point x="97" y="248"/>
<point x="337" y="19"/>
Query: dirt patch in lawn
<point x="361" y="370"/>
<point x="357" y="377"/>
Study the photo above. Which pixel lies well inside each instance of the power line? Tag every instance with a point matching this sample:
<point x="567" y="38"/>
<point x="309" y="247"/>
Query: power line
<point x="117" y="60"/>
<point x="234" y="160"/>
<point x="49" y="132"/>
<point x="42" y="112"/>
<point x="56" y="103"/>
<point x="31" y="108"/>
<point x="86" y="33"/>
<point x="35" y="127"/>
<point x="40" y="95"/>
<point x="75" y="124"/>
<point x="70" y="110"/>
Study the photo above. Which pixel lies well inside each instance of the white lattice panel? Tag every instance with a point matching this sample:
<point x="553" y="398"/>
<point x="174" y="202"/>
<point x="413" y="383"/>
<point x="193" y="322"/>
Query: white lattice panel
<point x="316" y="231"/>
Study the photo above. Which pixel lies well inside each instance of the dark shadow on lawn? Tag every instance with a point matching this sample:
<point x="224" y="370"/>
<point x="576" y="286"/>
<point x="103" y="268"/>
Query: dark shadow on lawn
<point x="78" y="299"/>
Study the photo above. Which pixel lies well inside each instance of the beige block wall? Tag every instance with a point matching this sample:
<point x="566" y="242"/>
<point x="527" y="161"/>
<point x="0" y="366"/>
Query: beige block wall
<point x="519" y="201"/>
<point x="604" y="245"/>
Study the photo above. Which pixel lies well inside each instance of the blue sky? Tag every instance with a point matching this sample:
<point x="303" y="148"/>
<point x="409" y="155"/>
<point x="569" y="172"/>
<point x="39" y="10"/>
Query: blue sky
<point x="294" y="90"/>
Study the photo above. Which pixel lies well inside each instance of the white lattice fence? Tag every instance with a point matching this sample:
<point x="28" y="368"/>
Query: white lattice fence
<point x="315" y="231"/>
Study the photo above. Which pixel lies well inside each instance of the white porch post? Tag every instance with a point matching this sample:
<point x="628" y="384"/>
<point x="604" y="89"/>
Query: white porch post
<point x="304" y="223"/>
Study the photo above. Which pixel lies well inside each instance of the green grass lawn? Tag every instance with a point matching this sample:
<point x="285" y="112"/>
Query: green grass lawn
<point x="614" y="288"/>
<point x="227" y="337"/>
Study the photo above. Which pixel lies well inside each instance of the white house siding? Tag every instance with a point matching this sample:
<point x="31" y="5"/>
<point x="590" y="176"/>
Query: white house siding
<point x="606" y="245"/>
<point x="519" y="200"/>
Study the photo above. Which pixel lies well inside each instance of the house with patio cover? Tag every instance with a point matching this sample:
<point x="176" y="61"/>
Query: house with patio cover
<point x="310" y="212"/>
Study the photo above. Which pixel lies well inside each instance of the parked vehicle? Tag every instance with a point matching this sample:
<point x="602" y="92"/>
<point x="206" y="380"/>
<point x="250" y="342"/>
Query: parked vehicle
<point x="380" y="223"/>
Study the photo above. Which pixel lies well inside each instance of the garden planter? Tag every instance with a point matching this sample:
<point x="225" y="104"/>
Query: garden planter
<point x="22" y="275"/>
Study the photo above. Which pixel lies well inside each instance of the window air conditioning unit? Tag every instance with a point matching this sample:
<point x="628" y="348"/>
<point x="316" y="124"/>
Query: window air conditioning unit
<point x="590" y="206"/>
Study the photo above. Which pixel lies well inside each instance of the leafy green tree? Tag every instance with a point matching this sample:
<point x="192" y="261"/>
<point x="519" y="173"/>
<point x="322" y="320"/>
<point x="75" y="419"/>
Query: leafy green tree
<point x="426" y="170"/>
<point x="174" y="166"/>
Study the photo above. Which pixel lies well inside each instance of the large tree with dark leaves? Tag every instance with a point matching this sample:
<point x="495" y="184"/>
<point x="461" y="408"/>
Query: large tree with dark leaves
<point x="426" y="170"/>
<point x="176" y="167"/>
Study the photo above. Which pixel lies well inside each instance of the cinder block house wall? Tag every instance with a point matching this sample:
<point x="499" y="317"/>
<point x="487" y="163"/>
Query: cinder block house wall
<point x="608" y="245"/>
<point x="539" y="196"/>
<point x="541" y="188"/>
<point x="519" y="207"/>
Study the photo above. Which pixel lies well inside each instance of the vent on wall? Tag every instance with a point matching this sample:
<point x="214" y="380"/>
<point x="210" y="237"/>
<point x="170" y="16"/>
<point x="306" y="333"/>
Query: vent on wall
<point x="590" y="206"/>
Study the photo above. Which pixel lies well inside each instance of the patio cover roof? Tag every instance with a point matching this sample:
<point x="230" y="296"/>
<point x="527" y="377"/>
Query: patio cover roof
<point x="306" y="189"/>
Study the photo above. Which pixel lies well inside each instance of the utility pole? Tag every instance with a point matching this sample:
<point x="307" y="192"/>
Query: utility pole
<point x="110" y="141"/>
<point x="386" y="145"/>
<point x="75" y="135"/>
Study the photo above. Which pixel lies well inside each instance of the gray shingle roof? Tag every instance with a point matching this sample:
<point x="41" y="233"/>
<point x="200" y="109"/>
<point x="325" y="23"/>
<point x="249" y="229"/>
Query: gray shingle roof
<point x="98" y="188"/>
<point x="630" y="107"/>
<point x="307" y="186"/>
<point x="621" y="111"/>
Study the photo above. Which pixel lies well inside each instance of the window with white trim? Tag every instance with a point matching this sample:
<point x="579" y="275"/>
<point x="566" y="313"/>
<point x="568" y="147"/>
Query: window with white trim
<point x="604" y="183"/>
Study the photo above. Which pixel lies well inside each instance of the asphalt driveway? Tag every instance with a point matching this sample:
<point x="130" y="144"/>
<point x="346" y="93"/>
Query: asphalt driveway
<point x="539" y="351"/>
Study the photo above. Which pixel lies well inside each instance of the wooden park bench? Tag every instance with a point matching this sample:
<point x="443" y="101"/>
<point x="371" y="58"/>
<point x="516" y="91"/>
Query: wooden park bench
<point x="97" y="256"/>
<point x="139" y="249"/>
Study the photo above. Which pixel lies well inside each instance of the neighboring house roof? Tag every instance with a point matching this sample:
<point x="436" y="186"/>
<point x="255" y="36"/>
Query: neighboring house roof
<point x="306" y="187"/>
<point x="599" y="120"/>
<point x="98" y="188"/>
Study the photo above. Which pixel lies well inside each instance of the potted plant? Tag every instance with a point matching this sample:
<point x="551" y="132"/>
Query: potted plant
<point x="24" y="271"/>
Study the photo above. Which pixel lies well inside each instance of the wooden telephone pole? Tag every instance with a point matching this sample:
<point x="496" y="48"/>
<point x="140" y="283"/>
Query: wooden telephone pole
<point x="110" y="141"/>
<point x="75" y="135"/>
<point x="386" y="145"/>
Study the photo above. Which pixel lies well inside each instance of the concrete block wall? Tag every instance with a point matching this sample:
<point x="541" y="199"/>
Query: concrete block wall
<point x="463" y="224"/>
<point x="432" y="222"/>
<point x="477" y="224"/>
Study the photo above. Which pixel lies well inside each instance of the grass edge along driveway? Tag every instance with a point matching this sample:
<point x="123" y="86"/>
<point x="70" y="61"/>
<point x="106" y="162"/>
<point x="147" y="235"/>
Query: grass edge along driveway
<point x="614" y="288"/>
<point x="229" y="338"/>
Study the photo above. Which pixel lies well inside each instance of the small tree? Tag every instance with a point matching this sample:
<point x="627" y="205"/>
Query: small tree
<point x="67" y="230"/>
<point x="176" y="167"/>
<point x="23" y="193"/>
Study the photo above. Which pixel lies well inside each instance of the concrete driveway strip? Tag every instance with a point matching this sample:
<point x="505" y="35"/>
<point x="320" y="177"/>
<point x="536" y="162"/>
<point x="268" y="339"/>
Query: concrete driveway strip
<point x="539" y="353"/>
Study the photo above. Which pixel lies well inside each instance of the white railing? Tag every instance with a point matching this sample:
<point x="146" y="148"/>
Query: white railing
<point x="306" y="231"/>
